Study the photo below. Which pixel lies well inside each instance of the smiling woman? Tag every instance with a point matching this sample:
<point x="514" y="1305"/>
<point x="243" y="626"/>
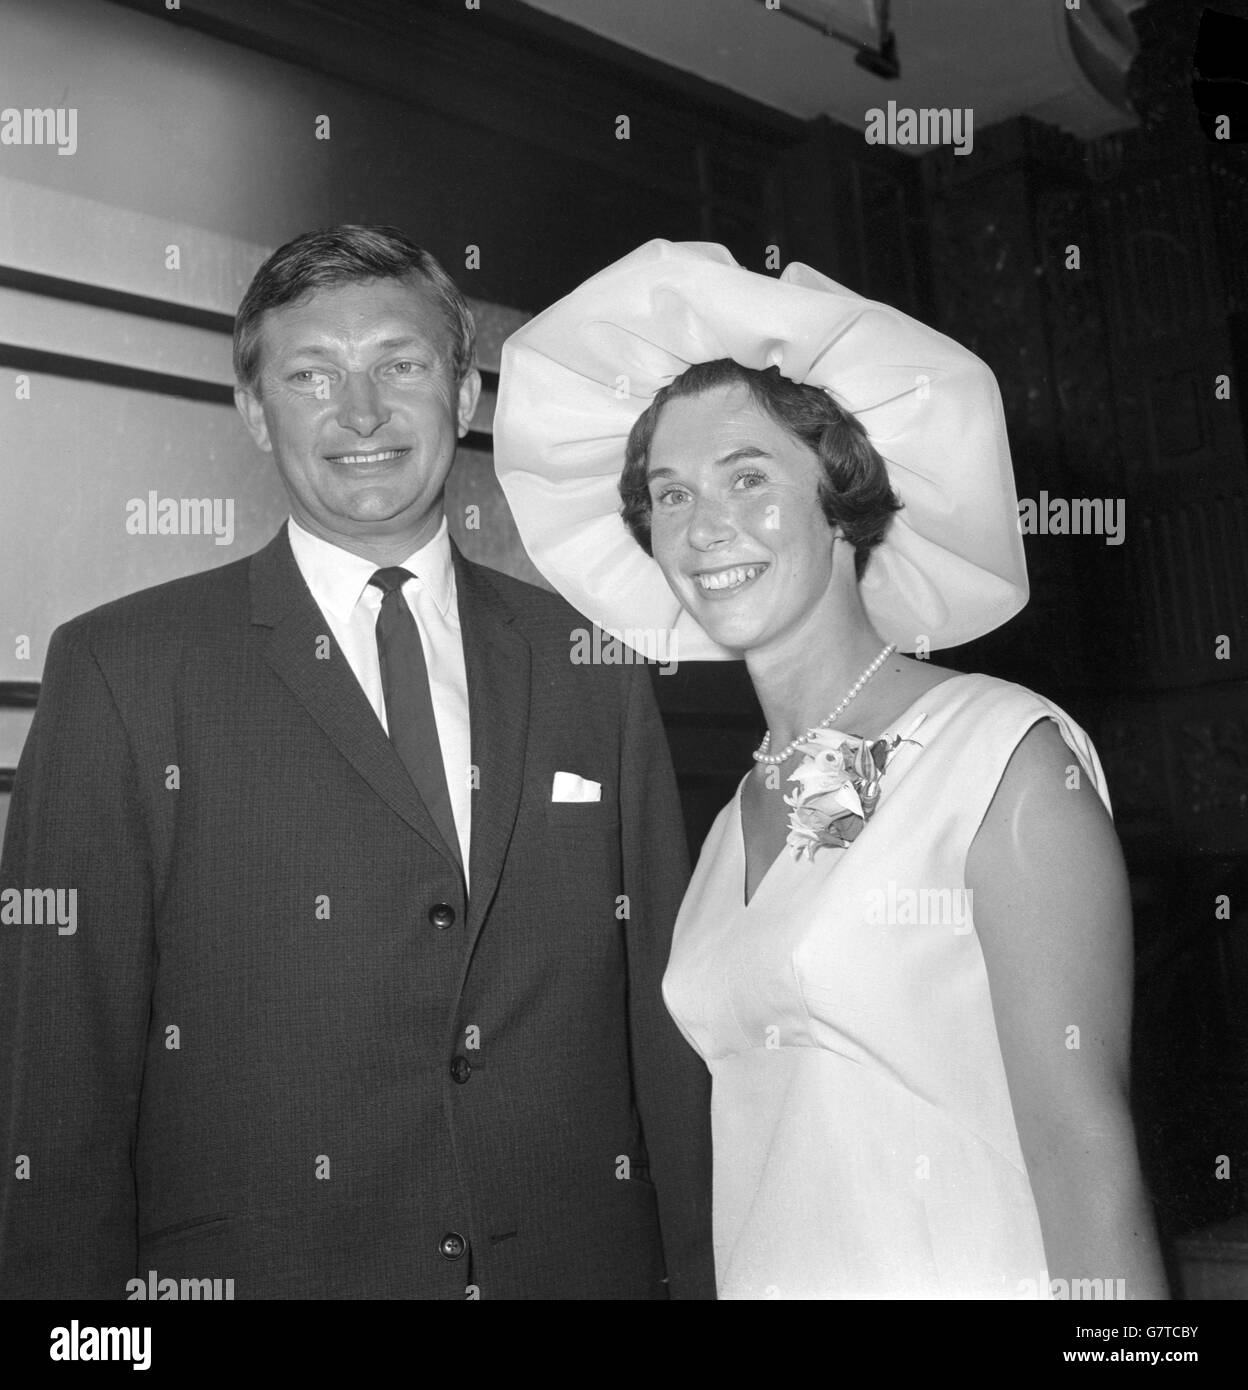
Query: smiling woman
<point x="726" y="447"/>
<point x="910" y="977"/>
<point x="853" y="487"/>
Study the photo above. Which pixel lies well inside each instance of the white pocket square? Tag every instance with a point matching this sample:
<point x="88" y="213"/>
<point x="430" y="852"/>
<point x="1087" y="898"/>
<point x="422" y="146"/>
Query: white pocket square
<point x="569" y="787"/>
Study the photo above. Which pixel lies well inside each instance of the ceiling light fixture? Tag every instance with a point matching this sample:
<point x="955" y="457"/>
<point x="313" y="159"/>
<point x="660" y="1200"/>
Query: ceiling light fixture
<point x="876" y="45"/>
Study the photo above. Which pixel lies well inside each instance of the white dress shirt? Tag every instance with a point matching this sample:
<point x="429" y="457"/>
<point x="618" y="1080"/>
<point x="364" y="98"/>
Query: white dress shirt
<point x="339" y="584"/>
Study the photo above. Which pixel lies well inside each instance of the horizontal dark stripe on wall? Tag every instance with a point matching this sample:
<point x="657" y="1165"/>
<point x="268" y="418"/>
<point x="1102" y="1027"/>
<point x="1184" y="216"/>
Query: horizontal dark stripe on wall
<point x="105" y="297"/>
<point x="19" y="694"/>
<point x="24" y="359"/>
<point x="15" y="695"/>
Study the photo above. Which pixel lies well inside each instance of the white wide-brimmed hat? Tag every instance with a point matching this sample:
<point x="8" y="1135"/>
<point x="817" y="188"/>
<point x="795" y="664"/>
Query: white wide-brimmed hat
<point x="574" y="379"/>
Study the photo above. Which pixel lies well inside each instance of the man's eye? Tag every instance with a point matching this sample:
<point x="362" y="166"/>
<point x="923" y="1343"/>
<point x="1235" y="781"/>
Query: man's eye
<point x="307" y="377"/>
<point x="405" y="368"/>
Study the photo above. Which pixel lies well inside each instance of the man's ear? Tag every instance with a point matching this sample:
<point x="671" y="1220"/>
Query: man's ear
<point x="252" y="411"/>
<point x="469" y="395"/>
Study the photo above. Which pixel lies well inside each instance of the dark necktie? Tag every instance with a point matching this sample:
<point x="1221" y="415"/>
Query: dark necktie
<point x="409" y="705"/>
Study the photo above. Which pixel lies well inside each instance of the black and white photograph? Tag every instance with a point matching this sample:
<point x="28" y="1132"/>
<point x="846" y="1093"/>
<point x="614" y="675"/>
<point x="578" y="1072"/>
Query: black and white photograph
<point x="623" y="667"/>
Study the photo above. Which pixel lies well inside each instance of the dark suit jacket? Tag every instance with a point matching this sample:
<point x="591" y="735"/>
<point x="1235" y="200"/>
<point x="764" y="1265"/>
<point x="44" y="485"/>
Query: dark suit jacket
<point x="259" y="1057"/>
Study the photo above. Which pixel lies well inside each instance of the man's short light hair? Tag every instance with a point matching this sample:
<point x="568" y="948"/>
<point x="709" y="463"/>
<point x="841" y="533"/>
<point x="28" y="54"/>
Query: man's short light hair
<point x="343" y="255"/>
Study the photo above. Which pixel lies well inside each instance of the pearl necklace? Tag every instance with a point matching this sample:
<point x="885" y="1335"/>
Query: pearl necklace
<point x="761" y="755"/>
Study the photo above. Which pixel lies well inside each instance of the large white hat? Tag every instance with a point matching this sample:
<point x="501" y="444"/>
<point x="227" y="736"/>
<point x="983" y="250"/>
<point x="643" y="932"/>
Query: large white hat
<point x="575" y="378"/>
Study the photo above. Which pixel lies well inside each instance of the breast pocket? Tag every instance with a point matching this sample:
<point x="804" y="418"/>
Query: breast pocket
<point x="596" y="816"/>
<point x="583" y="843"/>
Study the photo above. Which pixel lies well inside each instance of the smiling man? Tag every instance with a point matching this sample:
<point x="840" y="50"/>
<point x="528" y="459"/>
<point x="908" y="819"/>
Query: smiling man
<point x="375" y="885"/>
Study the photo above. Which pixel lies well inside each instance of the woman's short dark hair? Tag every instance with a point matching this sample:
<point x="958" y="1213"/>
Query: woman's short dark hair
<point x="343" y="255"/>
<point x="854" y="490"/>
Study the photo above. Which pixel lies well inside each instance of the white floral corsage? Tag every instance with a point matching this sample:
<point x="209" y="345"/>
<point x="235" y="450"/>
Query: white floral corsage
<point x="838" y="787"/>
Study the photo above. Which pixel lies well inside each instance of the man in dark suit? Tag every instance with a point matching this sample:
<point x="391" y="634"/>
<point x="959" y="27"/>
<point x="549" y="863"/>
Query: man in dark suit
<point x="374" y="886"/>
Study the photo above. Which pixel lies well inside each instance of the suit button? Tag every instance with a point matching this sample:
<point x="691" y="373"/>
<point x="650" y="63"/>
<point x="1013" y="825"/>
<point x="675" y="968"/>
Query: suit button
<point x="452" y="1245"/>
<point x="461" y="1069"/>
<point x="442" y="915"/>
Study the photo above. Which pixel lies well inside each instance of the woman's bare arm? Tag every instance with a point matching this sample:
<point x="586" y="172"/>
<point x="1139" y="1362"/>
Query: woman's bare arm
<point x="1053" y="914"/>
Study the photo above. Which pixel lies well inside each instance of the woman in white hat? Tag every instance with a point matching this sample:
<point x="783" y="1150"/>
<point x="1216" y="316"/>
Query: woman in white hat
<point x="905" y="953"/>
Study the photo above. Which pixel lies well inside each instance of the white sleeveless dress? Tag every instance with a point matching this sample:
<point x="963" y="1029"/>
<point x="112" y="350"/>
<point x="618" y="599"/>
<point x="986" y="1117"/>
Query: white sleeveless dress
<point x="864" y="1141"/>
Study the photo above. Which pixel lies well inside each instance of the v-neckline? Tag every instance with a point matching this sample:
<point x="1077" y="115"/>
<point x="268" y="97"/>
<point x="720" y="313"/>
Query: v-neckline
<point x="748" y="902"/>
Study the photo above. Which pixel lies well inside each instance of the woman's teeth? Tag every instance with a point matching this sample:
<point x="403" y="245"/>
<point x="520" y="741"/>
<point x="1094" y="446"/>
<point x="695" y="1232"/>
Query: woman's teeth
<point x="729" y="579"/>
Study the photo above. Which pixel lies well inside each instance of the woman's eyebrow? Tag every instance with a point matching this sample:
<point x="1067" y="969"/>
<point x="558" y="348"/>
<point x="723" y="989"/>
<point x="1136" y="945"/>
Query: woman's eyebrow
<point x="746" y="451"/>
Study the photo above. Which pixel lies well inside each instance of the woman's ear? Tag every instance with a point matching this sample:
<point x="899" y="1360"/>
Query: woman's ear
<point x="844" y="555"/>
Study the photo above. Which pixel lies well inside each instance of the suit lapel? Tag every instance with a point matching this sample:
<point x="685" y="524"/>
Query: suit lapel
<point x="328" y="689"/>
<point x="498" y="661"/>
